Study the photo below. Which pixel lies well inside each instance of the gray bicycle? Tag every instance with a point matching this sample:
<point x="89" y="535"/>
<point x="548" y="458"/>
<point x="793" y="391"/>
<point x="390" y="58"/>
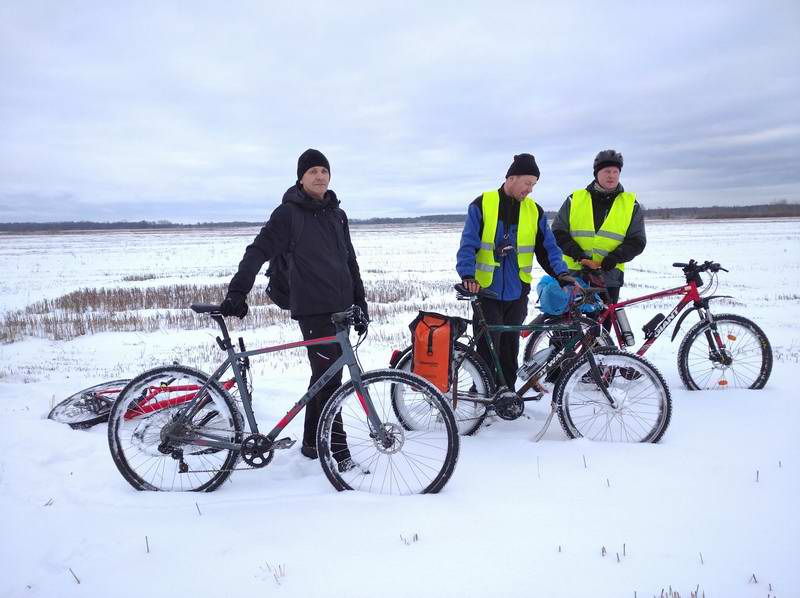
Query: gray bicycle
<point x="175" y="428"/>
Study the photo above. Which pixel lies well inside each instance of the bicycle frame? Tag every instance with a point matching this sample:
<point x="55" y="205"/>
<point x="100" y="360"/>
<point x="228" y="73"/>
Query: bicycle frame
<point x="689" y="295"/>
<point x="576" y="338"/>
<point x="347" y="359"/>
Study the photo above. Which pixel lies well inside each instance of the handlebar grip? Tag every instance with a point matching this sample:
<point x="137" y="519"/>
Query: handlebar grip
<point x="486" y="293"/>
<point x="679" y="265"/>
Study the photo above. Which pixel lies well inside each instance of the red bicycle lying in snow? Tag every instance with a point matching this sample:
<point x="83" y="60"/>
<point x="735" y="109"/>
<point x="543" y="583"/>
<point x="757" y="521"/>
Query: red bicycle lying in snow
<point x="720" y="351"/>
<point x="91" y="406"/>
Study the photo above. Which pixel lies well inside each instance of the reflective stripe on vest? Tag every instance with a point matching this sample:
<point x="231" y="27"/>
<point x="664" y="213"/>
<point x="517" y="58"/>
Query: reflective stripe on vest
<point x="612" y="231"/>
<point x="485" y="263"/>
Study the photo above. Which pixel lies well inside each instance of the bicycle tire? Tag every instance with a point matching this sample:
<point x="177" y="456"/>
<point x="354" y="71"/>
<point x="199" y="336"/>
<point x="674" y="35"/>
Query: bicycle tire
<point x="749" y="347"/>
<point x="134" y="432"/>
<point x="472" y="373"/>
<point x="537" y="340"/>
<point x="419" y="461"/>
<point x="644" y="405"/>
<point x="88" y="407"/>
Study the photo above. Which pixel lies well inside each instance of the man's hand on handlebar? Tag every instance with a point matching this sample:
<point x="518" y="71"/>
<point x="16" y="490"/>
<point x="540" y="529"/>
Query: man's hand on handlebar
<point x="471" y="285"/>
<point x="591" y="264"/>
<point x="565" y="279"/>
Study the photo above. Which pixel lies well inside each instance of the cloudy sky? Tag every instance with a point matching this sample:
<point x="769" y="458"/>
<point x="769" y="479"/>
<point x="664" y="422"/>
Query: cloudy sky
<point x="196" y="111"/>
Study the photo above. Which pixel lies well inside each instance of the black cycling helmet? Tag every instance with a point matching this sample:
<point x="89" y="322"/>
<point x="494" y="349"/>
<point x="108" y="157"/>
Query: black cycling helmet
<point x="605" y="158"/>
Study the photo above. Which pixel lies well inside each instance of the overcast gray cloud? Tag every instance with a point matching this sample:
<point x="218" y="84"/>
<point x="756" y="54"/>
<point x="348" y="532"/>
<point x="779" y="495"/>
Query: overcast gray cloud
<point x="193" y="111"/>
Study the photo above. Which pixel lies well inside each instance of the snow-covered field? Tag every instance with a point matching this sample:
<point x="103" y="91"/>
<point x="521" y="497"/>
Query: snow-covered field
<point x="712" y="507"/>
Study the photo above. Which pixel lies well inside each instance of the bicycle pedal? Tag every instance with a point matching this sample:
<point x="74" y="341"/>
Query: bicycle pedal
<point x="284" y="443"/>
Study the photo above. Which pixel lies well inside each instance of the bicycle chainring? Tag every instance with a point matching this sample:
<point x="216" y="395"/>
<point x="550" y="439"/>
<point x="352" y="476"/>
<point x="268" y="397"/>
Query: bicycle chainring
<point x="508" y="405"/>
<point x="257" y="451"/>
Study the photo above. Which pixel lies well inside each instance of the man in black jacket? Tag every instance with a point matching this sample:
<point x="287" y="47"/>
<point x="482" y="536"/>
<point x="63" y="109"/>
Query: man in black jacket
<point x="324" y="277"/>
<point x="601" y="227"/>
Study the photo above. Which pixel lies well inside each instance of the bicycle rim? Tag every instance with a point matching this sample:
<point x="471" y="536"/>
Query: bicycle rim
<point x="415" y="461"/>
<point x="149" y="404"/>
<point x="472" y="384"/>
<point x="642" y="408"/>
<point x="88" y="407"/>
<point x="744" y="343"/>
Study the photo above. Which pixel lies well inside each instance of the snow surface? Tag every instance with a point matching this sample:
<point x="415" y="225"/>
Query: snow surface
<point x="713" y="505"/>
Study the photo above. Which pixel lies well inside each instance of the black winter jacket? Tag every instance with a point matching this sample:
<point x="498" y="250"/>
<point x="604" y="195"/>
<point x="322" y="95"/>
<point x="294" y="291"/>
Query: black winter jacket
<point x="324" y="275"/>
<point x="635" y="239"/>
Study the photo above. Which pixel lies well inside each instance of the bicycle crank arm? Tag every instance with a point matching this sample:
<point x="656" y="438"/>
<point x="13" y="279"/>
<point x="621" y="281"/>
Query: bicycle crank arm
<point x="533" y="398"/>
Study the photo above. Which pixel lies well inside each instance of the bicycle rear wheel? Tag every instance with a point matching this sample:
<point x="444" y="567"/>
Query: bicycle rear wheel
<point x="642" y="406"/>
<point x="146" y="406"/>
<point x="88" y="407"/>
<point x="417" y="461"/>
<point x="745" y="360"/>
<point x="471" y="383"/>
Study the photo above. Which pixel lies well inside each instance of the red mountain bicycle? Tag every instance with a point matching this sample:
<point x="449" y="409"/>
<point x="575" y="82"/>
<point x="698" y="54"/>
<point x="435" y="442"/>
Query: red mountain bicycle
<point x="720" y="351"/>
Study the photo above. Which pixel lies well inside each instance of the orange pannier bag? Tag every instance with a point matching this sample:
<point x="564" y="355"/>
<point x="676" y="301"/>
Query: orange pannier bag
<point x="432" y="339"/>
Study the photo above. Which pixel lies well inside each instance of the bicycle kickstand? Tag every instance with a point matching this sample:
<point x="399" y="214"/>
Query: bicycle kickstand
<point x="546" y="425"/>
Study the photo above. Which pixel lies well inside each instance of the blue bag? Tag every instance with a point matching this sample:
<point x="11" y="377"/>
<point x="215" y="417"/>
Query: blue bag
<point x="554" y="300"/>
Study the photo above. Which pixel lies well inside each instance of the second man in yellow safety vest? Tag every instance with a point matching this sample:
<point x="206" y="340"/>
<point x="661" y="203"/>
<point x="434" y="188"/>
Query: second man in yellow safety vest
<point x="601" y="227"/>
<point x="503" y="231"/>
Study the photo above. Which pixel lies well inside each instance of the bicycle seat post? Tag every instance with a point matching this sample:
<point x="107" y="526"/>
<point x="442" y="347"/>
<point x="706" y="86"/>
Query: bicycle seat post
<point x="225" y="342"/>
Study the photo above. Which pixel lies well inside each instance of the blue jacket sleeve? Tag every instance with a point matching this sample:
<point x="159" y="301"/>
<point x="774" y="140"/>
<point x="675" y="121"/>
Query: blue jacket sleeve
<point x="470" y="243"/>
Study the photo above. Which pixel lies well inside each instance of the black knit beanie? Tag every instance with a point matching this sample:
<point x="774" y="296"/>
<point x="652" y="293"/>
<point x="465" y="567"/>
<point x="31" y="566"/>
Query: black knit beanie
<point x="523" y="164"/>
<point x="309" y="159"/>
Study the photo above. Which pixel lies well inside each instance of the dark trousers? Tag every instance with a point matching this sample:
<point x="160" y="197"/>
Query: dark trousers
<point x="506" y="344"/>
<point x="321" y="357"/>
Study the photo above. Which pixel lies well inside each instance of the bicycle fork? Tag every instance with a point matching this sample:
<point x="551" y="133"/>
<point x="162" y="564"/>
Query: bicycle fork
<point x="716" y="346"/>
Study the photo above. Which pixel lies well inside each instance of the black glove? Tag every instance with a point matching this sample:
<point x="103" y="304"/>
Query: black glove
<point x="609" y="263"/>
<point x="361" y="322"/>
<point x="363" y="306"/>
<point x="565" y="279"/>
<point x="361" y="326"/>
<point x="234" y="305"/>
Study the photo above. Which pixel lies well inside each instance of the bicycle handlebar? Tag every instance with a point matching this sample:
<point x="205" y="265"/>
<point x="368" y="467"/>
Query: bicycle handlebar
<point x="694" y="267"/>
<point x="464" y="294"/>
<point x="352" y="316"/>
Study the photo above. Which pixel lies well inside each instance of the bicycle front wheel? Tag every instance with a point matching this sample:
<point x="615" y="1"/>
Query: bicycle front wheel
<point x="744" y="360"/>
<point x="471" y="388"/>
<point x="88" y="407"/>
<point x="416" y="461"/>
<point x="148" y="459"/>
<point x="638" y="407"/>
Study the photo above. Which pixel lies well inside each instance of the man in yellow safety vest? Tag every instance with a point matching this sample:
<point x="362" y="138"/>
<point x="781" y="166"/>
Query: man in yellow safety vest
<point x="601" y="227"/>
<point x="504" y="229"/>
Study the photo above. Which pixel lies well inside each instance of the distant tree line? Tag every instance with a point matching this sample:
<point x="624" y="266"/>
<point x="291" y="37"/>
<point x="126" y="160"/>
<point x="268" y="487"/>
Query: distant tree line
<point x="774" y="210"/>
<point x="781" y="209"/>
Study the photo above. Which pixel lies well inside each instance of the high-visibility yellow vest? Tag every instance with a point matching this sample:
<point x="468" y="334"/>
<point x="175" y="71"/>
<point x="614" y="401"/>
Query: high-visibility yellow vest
<point x="526" y="238"/>
<point x="611" y="233"/>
